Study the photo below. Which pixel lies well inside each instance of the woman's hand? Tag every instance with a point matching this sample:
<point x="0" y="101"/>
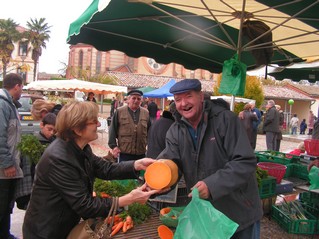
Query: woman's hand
<point x="141" y="164"/>
<point x="139" y="195"/>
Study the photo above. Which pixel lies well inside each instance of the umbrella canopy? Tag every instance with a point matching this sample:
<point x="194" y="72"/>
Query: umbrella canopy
<point x="146" y="89"/>
<point x="199" y="34"/>
<point x="162" y="92"/>
<point x="74" y="84"/>
<point x="297" y="74"/>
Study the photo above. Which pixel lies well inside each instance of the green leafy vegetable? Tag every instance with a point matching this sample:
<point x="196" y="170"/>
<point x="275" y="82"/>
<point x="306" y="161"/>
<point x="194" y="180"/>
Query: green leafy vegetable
<point x="31" y="147"/>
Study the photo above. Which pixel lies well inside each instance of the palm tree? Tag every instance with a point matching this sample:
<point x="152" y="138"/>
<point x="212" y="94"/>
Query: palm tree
<point x="37" y="34"/>
<point x="8" y="35"/>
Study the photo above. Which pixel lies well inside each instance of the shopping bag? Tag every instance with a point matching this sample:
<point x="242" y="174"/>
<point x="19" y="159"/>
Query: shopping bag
<point x="314" y="178"/>
<point x="200" y="220"/>
<point x="95" y="228"/>
<point x="233" y="77"/>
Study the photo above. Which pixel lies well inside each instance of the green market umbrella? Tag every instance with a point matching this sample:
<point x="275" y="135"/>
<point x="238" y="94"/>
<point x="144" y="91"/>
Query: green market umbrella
<point x="296" y="74"/>
<point x="199" y="34"/>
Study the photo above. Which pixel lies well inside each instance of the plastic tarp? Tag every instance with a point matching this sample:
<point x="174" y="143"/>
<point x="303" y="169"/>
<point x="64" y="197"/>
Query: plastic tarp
<point x="74" y="85"/>
<point x="162" y="92"/>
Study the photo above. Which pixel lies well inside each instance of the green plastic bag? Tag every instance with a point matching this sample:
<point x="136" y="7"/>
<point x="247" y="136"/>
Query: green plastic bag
<point x="233" y="77"/>
<point x="200" y="220"/>
<point x="314" y="178"/>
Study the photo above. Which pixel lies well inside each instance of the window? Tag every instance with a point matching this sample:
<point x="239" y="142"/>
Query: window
<point x="23" y="48"/>
<point x="80" y="62"/>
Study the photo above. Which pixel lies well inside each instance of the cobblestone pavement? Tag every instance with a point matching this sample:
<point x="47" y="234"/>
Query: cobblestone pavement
<point x="269" y="229"/>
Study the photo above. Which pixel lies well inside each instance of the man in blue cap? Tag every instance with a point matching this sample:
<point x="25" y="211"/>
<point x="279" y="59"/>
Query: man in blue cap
<point x="212" y="150"/>
<point x="128" y="129"/>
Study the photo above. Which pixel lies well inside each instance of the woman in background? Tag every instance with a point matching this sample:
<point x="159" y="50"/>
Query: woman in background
<point x="91" y="97"/>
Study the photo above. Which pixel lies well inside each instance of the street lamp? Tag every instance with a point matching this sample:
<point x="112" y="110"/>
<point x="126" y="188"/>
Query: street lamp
<point x="290" y="102"/>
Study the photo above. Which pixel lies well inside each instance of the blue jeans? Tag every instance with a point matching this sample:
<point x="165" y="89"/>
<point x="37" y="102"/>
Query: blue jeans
<point x="251" y="232"/>
<point x="294" y="130"/>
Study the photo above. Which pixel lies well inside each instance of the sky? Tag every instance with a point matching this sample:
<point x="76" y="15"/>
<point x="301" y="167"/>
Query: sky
<point x="59" y="14"/>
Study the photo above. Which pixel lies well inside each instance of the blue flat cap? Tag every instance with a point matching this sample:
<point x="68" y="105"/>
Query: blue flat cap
<point x="135" y="92"/>
<point x="186" y="85"/>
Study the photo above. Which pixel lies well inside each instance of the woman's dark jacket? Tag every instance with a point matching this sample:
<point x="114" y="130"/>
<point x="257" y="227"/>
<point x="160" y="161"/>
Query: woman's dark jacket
<point x="223" y="159"/>
<point x="63" y="188"/>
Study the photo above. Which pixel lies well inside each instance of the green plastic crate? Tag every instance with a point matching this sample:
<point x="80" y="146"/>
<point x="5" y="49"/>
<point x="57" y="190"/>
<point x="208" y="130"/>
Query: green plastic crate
<point x="276" y="157"/>
<point x="267" y="187"/>
<point x="309" y="226"/>
<point x="310" y="198"/>
<point x="297" y="171"/>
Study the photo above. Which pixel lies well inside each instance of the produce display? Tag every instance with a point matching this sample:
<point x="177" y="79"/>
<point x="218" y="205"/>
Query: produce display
<point x="31" y="147"/>
<point x="135" y="214"/>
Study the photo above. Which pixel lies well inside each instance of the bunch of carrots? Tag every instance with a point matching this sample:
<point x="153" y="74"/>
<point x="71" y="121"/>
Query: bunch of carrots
<point x="119" y="224"/>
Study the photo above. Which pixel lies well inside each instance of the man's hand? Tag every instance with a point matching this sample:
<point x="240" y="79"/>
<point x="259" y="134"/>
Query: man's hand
<point x="202" y="190"/>
<point x="116" y="152"/>
<point x="10" y="172"/>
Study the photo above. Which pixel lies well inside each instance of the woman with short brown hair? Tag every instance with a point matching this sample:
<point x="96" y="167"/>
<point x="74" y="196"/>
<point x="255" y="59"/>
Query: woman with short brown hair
<point x="62" y="193"/>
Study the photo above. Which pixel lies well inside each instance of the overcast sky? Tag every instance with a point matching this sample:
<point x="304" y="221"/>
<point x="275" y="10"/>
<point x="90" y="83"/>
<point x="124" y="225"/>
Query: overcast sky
<point x="58" y="14"/>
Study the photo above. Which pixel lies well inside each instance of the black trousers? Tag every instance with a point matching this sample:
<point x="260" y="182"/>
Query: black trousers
<point x="7" y="188"/>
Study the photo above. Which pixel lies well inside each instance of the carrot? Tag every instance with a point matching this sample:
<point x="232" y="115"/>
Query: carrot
<point x="128" y="219"/>
<point x="117" y="228"/>
<point x="125" y="226"/>
<point x="117" y="218"/>
<point x="104" y="195"/>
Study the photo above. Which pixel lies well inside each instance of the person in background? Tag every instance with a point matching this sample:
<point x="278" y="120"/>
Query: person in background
<point x="157" y="133"/>
<point x="91" y="97"/>
<point x="281" y="127"/>
<point x="311" y="121"/>
<point x="41" y="107"/>
<point x="315" y="132"/>
<point x="247" y="117"/>
<point x="213" y="153"/>
<point x="113" y="106"/>
<point x="128" y="129"/>
<point x="62" y="193"/>
<point x="255" y="123"/>
<point x="24" y="186"/>
<point x="152" y="109"/>
<point x="158" y="113"/>
<point x="303" y="126"/>
<point x="10" y="134"/>
<point x="271" y="125"/>
<point x="294" y="122"/>
<point x="297" y="151"/>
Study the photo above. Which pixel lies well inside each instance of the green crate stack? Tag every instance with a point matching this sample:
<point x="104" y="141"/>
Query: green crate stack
<point x="276" y="157"/>
<point x="296" y="170"/>
<point x="310" y="198"/>
<point x="267" y="187"/>
<point x="307" y="226"/>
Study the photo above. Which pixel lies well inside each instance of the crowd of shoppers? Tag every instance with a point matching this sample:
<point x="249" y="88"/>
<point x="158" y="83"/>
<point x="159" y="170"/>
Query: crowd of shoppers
<point x="213" y="148"/>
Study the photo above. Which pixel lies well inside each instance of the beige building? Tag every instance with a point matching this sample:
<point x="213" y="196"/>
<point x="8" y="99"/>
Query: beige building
<point x="84" y="57"/>
<point x="21" y="61"/>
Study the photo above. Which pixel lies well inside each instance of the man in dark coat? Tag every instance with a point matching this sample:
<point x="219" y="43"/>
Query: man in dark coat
<point x="271" y="125"/>
<point x="213" y="153"/>
<point x="157" y="134"/>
